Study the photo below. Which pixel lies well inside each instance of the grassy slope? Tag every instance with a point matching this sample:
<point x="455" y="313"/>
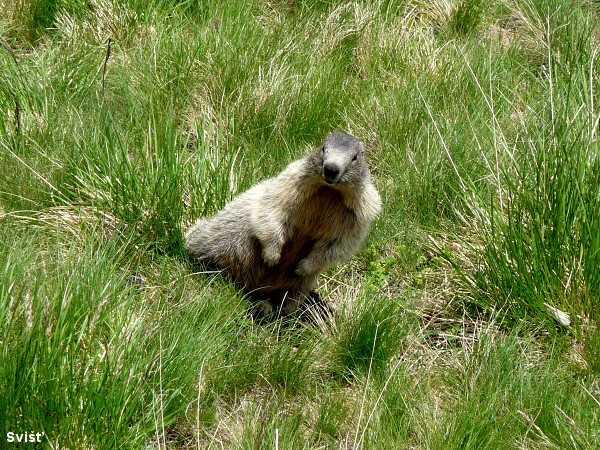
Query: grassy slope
<point x="121" y="122"/>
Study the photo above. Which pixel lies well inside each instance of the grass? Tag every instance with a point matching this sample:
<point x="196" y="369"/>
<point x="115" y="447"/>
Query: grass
<point x="121" y="122"/>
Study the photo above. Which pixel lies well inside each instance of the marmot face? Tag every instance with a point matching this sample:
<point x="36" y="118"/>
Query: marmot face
<point x="342" y="159"/>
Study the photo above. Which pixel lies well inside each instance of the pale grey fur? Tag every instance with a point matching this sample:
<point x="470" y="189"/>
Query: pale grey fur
<point x="277" y="237"/>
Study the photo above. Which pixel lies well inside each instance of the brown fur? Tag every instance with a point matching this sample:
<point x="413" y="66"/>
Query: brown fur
<point x="277" y="237"/>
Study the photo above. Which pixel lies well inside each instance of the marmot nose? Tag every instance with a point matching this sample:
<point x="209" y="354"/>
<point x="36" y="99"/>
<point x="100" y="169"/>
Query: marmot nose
<point x="331" y="172"/>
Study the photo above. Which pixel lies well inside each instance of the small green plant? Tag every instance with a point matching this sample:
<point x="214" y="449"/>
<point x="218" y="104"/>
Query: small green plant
<point x="378" y="268"/>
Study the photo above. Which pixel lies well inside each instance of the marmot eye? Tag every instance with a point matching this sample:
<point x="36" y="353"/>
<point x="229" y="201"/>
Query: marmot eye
<point x="354" y="158"/>
<point x="323" y="149"/>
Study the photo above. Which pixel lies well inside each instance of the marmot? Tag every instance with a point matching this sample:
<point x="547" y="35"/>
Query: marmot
<point x="278" y="236"/>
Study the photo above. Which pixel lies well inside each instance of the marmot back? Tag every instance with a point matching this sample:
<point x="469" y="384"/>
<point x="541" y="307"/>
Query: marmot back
<point x="277" y="237"/>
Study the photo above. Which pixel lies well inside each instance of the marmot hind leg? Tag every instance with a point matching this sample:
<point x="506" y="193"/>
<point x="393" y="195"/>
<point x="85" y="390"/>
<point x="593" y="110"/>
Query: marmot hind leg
<point x="271" y="306"/>
<point x="314" y="309"/>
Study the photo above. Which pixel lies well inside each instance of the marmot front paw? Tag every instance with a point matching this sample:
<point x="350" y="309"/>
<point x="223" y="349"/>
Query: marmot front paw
<point x="271" y="255"/>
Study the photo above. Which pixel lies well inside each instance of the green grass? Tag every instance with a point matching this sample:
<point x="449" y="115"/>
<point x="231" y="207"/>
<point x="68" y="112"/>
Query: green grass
<point x="121" y="122"/>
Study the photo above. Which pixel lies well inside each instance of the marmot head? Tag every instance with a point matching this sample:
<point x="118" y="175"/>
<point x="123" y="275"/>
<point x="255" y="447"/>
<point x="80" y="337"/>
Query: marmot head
<point x="342" y="160"/>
